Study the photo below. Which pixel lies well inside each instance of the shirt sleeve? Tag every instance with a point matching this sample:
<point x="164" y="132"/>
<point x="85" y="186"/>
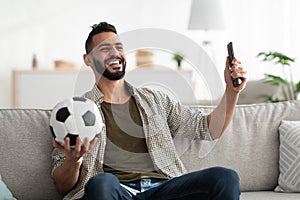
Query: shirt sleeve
<point x="58" y="159"/>
<point x="186" y="121"/>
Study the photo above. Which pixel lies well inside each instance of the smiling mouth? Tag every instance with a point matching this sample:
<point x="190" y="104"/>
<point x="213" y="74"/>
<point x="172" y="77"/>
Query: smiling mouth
<point x="115" y="64"/>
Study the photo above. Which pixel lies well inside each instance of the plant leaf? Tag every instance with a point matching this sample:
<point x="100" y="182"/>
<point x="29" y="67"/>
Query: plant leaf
<point x="178" y="57"/>
<point x="279" y="58"/>
<point x="298" y="87"/>
<point x="275" y="80"/>
<point x="269" y="98"/>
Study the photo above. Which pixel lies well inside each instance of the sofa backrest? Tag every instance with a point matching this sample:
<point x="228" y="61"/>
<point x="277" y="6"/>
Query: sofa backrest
<point x="25" y="149"/>
<point x="250" y="144"/>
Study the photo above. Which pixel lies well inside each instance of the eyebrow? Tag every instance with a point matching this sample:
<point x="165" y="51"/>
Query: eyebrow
<point x="108" y="44"/>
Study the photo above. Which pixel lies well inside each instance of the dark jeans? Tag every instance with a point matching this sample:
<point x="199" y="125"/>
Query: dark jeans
<point x="213" y="183"/>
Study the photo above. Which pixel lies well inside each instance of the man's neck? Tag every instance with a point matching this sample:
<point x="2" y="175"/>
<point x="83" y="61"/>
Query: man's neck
<point x="114" y="91"/>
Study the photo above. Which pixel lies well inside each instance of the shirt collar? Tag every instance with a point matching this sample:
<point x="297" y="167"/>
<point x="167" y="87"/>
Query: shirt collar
<point x="99" y="96"/>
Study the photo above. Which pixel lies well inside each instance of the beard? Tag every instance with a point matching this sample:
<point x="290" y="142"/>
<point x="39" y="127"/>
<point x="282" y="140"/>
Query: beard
<point x="106" y="73"/>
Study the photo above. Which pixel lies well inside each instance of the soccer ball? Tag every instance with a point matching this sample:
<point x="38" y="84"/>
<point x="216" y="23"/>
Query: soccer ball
<point x="73" y="117"/>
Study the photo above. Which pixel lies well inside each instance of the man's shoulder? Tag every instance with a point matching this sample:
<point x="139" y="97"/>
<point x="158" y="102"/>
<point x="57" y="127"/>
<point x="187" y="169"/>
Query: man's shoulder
<point x="155" y="96"/>
<point x="146" y="91"/>
<point x="94" y="94"/>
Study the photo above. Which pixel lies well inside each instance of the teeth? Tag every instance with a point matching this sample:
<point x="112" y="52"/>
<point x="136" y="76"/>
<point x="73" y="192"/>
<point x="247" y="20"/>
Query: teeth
<point x="116" y="62"/>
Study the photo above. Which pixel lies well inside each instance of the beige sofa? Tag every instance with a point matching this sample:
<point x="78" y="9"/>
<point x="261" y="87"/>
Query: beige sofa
<point x="250" y="146"/>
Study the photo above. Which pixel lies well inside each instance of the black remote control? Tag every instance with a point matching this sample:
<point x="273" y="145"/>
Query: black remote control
<point x="236" y="81"/>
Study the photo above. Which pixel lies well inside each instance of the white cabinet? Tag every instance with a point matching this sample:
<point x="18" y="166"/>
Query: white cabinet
<point x="44" y="88"/>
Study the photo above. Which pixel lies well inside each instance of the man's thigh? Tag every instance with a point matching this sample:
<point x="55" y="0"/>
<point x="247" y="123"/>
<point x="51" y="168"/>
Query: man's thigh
<point x="194" y="185"/>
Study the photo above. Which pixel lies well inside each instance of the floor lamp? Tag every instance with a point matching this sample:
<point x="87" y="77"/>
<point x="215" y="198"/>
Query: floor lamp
<point x="206" y="15"/>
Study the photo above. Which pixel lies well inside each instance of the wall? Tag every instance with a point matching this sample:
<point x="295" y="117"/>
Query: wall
<point x="57" y="29"/>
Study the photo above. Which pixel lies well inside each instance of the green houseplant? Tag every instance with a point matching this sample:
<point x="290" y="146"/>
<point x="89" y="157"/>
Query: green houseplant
<point x="289" y="89"/>
<point x="178" y="58"/>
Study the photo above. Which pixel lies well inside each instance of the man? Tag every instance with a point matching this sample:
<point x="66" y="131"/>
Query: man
<point x="134" y="157"/>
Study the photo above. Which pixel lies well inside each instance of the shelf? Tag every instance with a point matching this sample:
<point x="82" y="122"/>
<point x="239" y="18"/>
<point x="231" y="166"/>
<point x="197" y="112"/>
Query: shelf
<point x="45" y="88"/>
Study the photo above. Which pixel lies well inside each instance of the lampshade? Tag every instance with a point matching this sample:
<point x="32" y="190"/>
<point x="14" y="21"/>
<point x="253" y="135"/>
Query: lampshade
<point x="206" y="15"/>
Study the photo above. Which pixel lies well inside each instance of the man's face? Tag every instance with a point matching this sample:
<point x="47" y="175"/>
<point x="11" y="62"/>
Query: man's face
<point x="108" y="56"/>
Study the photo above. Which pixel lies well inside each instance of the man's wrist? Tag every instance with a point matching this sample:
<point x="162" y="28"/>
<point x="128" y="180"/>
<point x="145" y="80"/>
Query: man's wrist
<point x="231" y="92"/>
<point x="231" y="95"/>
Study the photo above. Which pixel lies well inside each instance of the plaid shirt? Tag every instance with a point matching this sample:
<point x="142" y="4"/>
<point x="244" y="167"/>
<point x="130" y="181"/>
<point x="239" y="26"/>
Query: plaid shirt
<point x="163" y="120"/>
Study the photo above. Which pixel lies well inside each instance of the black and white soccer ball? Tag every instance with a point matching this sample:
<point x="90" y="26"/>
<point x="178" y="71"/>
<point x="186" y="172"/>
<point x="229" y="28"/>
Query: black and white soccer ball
<point x="75" y="116"/>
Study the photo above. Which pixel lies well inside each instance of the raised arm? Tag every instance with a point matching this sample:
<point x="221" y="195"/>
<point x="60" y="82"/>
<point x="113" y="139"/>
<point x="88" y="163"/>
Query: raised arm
<point x="220" y="118"/>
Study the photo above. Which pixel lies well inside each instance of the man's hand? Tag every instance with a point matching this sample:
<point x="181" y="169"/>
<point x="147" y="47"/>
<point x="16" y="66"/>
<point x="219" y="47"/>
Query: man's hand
<point x="75" y="154"/>
<point x="235" y="71"/>
<point x="66" y="175"/>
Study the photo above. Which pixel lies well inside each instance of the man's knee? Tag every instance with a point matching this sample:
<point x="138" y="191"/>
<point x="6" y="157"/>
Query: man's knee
<point x="228" y="181"/>
<point x="102" y="182"/>
<point x="230" y="176"/>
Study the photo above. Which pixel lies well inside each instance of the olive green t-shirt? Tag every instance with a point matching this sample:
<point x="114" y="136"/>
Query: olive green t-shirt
<point x="126" y="154"/>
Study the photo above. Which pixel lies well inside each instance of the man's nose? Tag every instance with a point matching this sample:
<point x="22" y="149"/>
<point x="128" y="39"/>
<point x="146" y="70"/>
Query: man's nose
<point x="114" y="51"/>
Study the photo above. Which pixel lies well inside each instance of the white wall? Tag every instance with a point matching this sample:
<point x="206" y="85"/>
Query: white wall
<point x="57" y="29"/>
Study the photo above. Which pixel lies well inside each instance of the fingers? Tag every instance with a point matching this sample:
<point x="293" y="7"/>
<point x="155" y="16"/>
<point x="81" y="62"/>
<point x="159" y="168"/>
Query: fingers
<point x="88" y="145"/>
<point x="93" y="142"/>
<point x="235" y="71"/>
<point x="78" y="151"/>
<point x="85" y="146"/>
<point x="236" y="64"/>
<point x="67" y="144"/>
<point x="239" y="73"/>
<point x="57" y="145"/>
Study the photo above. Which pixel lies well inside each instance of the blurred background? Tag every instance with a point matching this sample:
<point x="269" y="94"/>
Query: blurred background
<point x="47" y="34"/>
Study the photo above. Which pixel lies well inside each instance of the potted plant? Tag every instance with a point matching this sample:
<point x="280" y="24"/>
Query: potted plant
<point x="289" y="89"/>
<point x="178" y="58"/>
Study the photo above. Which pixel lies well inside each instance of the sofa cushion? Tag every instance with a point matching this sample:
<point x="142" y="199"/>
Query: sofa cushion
<point x="251" y="94"/>
<point x="250" y="145"/>
<point x="25" y="148"/>
<point x="289" y="157"/>
<point x="269" y="195"/>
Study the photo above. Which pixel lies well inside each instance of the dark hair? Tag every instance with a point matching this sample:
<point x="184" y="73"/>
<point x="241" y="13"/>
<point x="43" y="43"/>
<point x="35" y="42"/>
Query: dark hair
<point x="98" y="28"/>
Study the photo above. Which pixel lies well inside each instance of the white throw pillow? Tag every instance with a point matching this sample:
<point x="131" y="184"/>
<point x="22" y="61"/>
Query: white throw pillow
<point x="289" y="157"/>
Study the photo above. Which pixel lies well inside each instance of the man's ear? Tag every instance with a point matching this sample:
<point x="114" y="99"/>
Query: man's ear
<point x="87" y="60"/>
